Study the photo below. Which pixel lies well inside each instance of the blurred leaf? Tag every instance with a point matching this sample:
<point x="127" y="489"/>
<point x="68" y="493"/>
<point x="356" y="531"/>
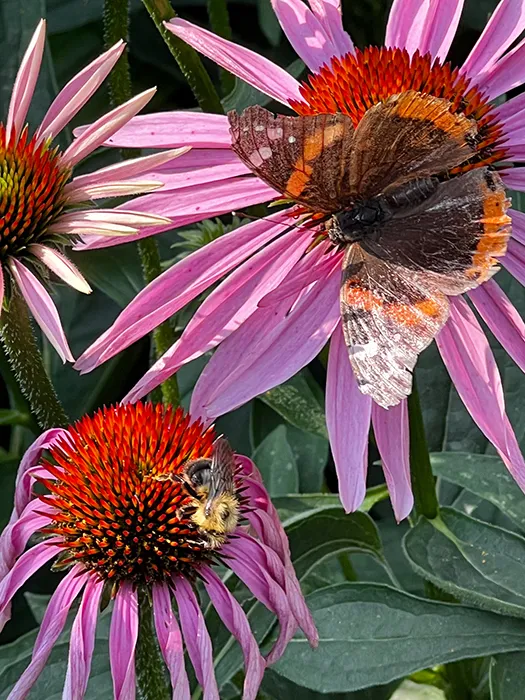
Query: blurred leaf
<point x="474" y="561"/>
<point x="507" y="676"/>
<point x="65" y="15"/>
<point x="296" y="402"/>
<point x="276" y="462"/>
<point x="291" y="505"/>
<point x="116" y="271"/>
<point x="13" y="417"/>
<point x="278" y="687"/>
<point x="268" y="22"/>
<point x="374" y="634"/>
<point x="477" y="14"/>
<point x="8" y="470"/>
<point x="485" y="476"/>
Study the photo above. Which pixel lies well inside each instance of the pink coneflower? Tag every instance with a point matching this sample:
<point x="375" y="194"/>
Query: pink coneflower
<point x="280" y="304"/>
<point x="119" y="515"/>
<point x="41" y="206"/>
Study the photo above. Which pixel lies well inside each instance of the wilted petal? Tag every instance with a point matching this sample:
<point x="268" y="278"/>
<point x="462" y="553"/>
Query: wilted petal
<point x="123" y="635"/>
<point x="328" y="12"/>
<point x="61" y="266"/>
<point x="348" y="413"/>
<point x="304" y="31"/>
<point x="170" y="641"/>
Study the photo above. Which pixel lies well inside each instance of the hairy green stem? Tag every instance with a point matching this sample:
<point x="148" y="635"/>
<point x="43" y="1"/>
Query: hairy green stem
<point x="116" y="25"/>
<point x="27" y="365"/>
<point x="187" y="58"/>
<point x="423" y="481"/>
<point x="220" y="23"/>
<point x="151" y="671"/>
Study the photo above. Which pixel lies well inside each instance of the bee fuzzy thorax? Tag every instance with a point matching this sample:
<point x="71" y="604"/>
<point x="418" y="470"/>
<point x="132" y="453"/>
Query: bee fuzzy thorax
<point x="218" y="518"/>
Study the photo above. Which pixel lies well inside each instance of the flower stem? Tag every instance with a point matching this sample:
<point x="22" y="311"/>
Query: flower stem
<point x="423" y="481"/>
<point x="187" y="58"/>
<point x="151" y="671"/>
<point x="27" y="365"/>
<point x="116" y="25"/>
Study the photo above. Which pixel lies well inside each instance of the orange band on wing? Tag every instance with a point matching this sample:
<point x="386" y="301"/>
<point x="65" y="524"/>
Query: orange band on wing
<point x="312" y="149"/>
<point x="496" y="233"/>
<point x="404" y="314"/>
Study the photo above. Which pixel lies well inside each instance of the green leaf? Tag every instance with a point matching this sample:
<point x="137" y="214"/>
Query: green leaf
<point x="485" y="476"/>
<point x="13" y="417"/>
<point x="244" y="95"/>
<point x="276" y="462"/>
<point x="296" y="402"/>
<point x="472" y="560"/>
<point x="292" y="505"/>
<point x="278" y="687"/>
<point x="373" y="634"/>
<point x="507" y="676"/>
<point x="268" y="22"/>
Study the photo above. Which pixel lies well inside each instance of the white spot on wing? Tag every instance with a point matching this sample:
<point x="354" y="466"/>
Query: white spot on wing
<point x="361" y="351"/>
<point x="274" y="134"/>
<point x="291" y="139"/>
<point x="258" y="127"/>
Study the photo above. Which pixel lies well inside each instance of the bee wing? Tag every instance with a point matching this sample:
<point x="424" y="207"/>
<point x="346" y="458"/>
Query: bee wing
<point x="222" y="469"/>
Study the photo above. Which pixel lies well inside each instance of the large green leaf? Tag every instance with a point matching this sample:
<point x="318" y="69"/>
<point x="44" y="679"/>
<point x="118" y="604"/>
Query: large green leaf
<point x="474" y="561"/>
<point x="507" y="676"/>
<point x="279" y="688"/>
<point x="373" y="634"/>
<point x="276" y="462"/>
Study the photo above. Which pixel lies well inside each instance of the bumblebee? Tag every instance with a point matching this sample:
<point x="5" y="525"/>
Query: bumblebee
<point x="211" y="484"/>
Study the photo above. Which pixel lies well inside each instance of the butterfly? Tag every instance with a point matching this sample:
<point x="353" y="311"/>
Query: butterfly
<point x="415" y="231"/>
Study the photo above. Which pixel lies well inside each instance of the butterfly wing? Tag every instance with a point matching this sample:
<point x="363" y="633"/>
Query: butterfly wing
<point x="389" y="316"/>
<point x="306" y="159"/>
<point x="222" y="470"/>
<point x="409" y="136"/>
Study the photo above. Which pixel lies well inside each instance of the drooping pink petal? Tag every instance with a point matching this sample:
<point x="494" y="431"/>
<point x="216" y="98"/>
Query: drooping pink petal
<point x="392" y="438"/>
<point x="196" y="637"/>
<point x="77" y="92"/>
<point x="504" y="26"/>
<point x="95" y="135"/>
<point x="227" y="307"/>
<point x="25" y="82"/>
<point x="348" y="413"/>
<point x="123" y="635"/>
<point x="496" y="309"/>
<point x="245" y="64"/>
<point x="514" y="260"/>
<point x="234" y="618"/>
<point x="504" y="75"/>
<point x="82" y="641"/>
<point x="61" y="266"/>
<point x="193" y="204"/>
<point x="170" y="641"/>
<point x="179" y="285"/>
<point x="52" y="625"/>
<point x="269" y="348"/>
<point x="304" y="31"/>
<point x="42" y="307"/>
<point x="472" y="367"/>
<point x="328" y="12"/>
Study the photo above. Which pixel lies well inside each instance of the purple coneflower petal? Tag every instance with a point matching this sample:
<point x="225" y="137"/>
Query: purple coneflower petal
<point x="392" y="438"/>
<point x="42" y="307"/>
<point x="123" y="635"/>
<point x="170" y="641"/>
<point x="510" y="113"/>
<point x="25" y="82"/>
<point x="15" y="536"/>
<point x="424" y="25"/>
<point x="82" y="641"/>
<point x="348" y="413"/>
<point x="226" y="308"/>
<point x="52" y="625"/>
<point x="77" y="92"/>
<point x="196" y="637"/>
<point x="515" y="179"/>
<point x="304" y="31"/>
<point x="504" y="75"/>
<point x="95" y="135"/>
<point x="328" y="12"/>
<point x="61" y="266"/>
<point x="518" y="225"/>
<point x="504" y="26"/>
<point x="245" y="64"/>
<point x="179" y="285"/>
<point x="275" y="341"/>
<point x="471" y="365"/>
<point x="514" y="260"/>
<point x="496" y="309"/>
<point x="234" y="618"/>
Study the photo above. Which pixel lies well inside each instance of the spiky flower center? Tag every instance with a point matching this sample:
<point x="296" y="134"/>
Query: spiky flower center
<point x="354" y="83"/>
<point x="32" y="181"/>
<point x="122" y="509"/>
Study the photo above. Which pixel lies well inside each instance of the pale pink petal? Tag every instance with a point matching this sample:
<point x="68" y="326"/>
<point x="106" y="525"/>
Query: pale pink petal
<point x="227" y="307"/>
<point x="518" y="225"/>
<point x="170" y="641"/>
<point x="392" y="438"/>
<point x="42" y="307"/>
<point x="61" y="266"/>
<point x="234" y="618"/>
<point x="113" y="189"/>
<point x="440" y="27"/>
<point x="95" y="135"/>
<point x="269" y="348"/>
<point x="25" y="82"/>
<point x="514" y="260"/>
<point x="179" y="285"/>
<point x="170" y="130"/>
<point x="77" y="92"/>
<point x="15" y="536"/>
<point x="83" y="641"/>
<point x="200" y="158"/>
<point x="496" y="309"/>
<point x="510" y="113"/>
<point x="305" y="33"/>
<point x="504" y="26"/>
<point x="196" y="637"/>
<point x="52" y="625"/>
<point x="179" y="179"/>
<point x="123" y="635"/>
<point x="515" y="179"/>
<point x="471" y="365"/>
<point x="504" y="75"/>
<point x="245" y="64"/>
<point x="406" y="24"/>
<point x="348" y="414"/>
<point x="328" y="12"/>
